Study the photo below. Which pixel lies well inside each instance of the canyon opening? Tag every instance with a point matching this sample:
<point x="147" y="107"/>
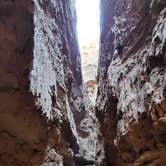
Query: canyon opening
<point x="88" y="27"/>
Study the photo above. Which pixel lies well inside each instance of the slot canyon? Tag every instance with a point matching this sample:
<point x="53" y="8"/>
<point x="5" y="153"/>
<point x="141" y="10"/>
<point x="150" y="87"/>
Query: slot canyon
<point x="47" y="117"/>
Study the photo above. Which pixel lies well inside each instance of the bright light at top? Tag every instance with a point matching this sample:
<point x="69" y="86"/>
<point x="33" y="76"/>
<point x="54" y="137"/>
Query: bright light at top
<point x="87" y="20"/>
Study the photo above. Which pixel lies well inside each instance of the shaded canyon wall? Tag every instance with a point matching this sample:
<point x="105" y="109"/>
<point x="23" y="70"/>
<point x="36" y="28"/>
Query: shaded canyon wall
<point x="131" y="100"/>
<point x="45" y="117"/>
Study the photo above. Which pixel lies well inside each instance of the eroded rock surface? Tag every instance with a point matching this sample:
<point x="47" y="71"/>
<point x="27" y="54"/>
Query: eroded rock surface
<point x="23" y="130"/>
<point x="45" y="117"/>
<point x="56" y="80"/>
<point x="132" y="82"/>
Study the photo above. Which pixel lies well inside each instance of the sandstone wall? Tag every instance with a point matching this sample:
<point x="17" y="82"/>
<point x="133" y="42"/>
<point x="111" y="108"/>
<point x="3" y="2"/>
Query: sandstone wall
<point x="132" y="82"/>
<point x="45" y="117"/>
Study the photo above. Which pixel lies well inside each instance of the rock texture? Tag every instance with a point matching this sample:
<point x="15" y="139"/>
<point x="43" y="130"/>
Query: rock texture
<point x="131" y="101"/>
<point x="56" y="80"/>
<point x="23" y="130"/>
<point x="45" y="117"/>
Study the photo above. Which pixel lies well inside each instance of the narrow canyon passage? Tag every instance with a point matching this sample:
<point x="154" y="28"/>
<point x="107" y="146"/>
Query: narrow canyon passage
<point x="88" y="37"/>
<point x="48" y="117"/>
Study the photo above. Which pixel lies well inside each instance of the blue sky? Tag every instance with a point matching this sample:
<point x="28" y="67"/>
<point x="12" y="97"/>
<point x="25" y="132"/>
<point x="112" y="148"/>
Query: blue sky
<point x="88" y="20"/>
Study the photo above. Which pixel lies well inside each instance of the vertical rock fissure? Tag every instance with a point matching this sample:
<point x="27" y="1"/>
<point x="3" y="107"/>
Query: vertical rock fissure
<point x="88" y="37"/>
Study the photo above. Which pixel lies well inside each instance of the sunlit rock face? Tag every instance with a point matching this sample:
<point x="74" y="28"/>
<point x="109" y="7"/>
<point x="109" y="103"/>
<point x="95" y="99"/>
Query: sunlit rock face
<point x="45" y="117"/>
<point x="56" y="81"/>
<point x="131" y="100"/>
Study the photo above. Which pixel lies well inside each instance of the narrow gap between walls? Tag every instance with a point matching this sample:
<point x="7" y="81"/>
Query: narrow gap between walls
<point x="88" y="14"/>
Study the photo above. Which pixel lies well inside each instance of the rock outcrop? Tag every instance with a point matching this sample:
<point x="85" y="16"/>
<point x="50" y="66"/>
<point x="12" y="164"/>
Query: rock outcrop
<point x="45" y="116"/>
<point x="131" y="101"/>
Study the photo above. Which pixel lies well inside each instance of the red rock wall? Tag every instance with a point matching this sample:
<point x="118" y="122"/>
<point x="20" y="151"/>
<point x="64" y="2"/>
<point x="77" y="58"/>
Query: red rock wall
<point x="45" y="117"/>
<point x="56" y="80"/>
<point x="23" y="131"/>
<point x="132" y="82"/>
